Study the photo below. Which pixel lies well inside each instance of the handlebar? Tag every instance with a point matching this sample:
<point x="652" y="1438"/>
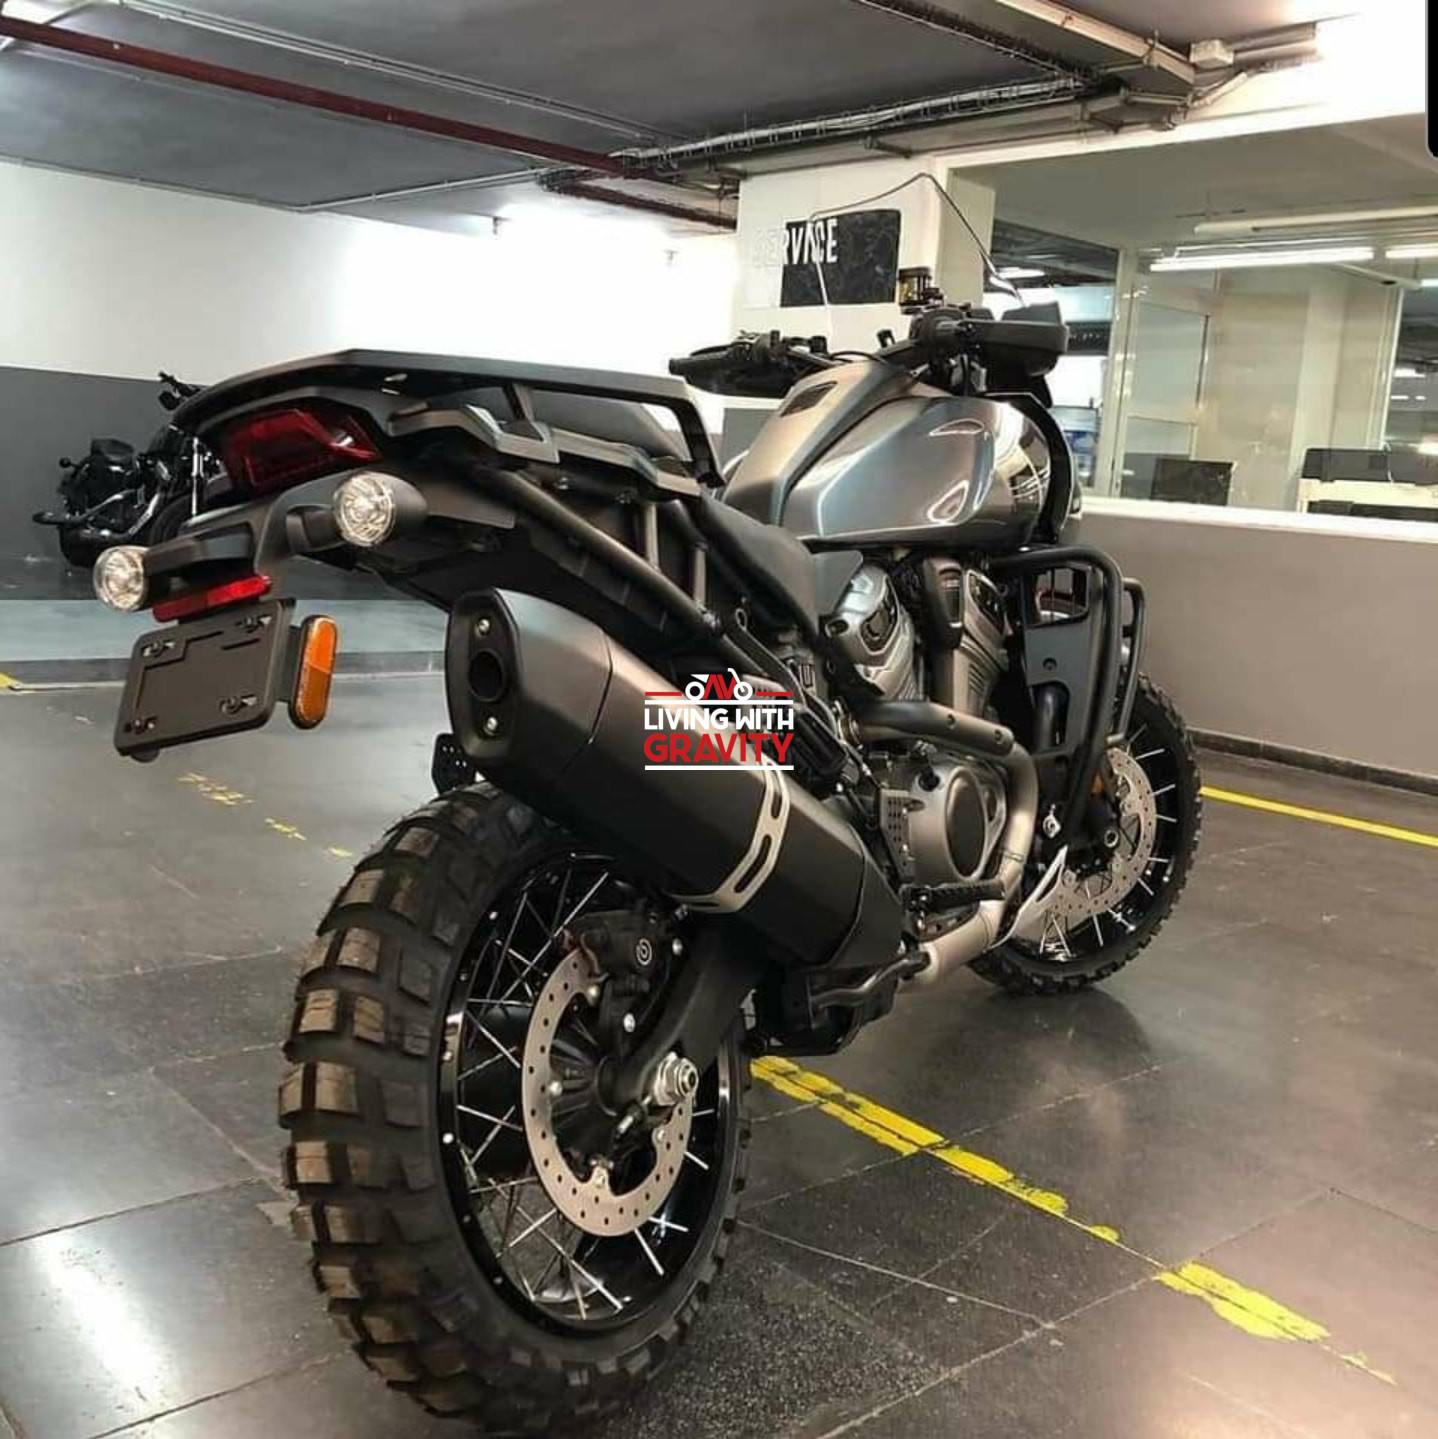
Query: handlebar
<point x="713" y="360"/>
<point x="1017" y="348"/>
<point x="180" y="387"/>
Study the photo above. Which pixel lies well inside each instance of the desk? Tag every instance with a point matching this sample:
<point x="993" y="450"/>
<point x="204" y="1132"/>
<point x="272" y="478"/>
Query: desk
<point x="1373" y="497"/>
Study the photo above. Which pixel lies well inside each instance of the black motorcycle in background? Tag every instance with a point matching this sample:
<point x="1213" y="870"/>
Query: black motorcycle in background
<point x="118" y="495"/>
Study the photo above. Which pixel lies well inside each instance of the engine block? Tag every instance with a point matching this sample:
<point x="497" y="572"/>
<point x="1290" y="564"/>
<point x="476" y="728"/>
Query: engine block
<point x="941" y="818"/>
<point x="875" y="633"/>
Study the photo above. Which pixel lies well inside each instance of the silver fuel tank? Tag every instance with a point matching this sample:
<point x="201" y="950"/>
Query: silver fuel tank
<point x="855" y="456"/>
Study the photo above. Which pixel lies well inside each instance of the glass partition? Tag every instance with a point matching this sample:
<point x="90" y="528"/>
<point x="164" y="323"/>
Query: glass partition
<point x="1264" y="332"/>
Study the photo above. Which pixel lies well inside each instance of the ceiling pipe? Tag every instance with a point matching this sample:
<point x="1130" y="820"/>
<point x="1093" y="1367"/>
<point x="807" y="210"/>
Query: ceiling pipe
<point x="936" y="17"/>
<point x="435" y="187"/>
<point x="581" y="189"/>
<point x="203" y="72"/>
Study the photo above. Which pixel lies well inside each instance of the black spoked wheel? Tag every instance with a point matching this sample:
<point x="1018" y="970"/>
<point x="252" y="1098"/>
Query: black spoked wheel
<point x="495" y="1241"/>
<point x="1110" y="906"/>
<point x="553" y="1267"/>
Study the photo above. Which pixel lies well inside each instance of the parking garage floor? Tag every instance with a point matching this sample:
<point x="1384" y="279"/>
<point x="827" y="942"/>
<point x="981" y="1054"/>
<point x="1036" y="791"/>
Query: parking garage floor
<point x="1201" y="1201"/>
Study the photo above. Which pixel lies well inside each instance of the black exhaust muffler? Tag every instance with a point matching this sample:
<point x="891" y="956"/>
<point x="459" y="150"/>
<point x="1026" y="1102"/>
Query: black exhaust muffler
<point x="554" y="712"/>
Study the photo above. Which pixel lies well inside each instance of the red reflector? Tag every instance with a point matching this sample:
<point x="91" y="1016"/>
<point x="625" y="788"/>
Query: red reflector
<point x="279" y="448"/>
<point x="216" y="597"/>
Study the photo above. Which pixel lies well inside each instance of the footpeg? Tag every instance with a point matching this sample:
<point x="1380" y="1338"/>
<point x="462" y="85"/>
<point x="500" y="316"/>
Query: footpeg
<point x="955" y="896"/>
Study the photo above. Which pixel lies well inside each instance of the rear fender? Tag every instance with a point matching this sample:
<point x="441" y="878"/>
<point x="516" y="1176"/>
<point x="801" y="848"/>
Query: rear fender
<point x="262" y="536"/>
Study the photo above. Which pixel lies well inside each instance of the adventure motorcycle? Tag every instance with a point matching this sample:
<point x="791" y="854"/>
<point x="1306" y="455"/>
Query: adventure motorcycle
<point x="516" y="1106"/>
<point x="117" y="495"/>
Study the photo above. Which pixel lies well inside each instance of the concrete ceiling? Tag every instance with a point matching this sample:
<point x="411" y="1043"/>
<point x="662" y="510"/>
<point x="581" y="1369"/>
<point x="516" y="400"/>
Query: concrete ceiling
<point x="1154" y="196"/>
<point x="602" y="76"/>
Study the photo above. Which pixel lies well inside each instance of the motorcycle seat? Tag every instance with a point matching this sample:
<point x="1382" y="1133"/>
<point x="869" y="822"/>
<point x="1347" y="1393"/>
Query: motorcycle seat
<point x="113" y="452"/>
<point x="622" y="422"/>
<point x="807" y="583"/>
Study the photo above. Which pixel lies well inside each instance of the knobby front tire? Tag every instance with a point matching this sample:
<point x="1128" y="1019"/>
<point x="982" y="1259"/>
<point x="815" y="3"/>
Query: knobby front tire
<point x="1159" y="741"/>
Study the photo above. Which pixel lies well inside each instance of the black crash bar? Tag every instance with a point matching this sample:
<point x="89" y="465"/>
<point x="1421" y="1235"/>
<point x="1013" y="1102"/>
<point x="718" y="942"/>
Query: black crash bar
<point x="1107" y="701"/>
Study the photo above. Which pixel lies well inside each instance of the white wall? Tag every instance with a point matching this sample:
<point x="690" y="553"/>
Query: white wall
<point x="122" y="280"/>
<point x="768" y="202"/>
<point x="1306" y="631"/>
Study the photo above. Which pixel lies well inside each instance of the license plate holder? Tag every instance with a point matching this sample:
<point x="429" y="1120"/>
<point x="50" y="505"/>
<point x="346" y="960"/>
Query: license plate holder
<point x="215" y="675"/>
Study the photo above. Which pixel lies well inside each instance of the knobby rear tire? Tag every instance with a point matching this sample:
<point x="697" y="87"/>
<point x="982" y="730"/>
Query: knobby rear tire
<point x="364" y="1160"/>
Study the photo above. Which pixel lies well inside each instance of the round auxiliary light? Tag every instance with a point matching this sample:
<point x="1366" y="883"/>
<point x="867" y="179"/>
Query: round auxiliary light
<point x="119" y="577"/>
<point x="366" y="507"/>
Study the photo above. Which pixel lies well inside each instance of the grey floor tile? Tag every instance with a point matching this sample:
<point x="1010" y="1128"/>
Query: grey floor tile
<point x="45" y="1038"/>
<point x="804" y="1147"/>
<point x="1158" y="1157"/>
<point x="334" y="1398"/>
<point x="236" y="1093"/>
<point x="1367" y="1276"/>
<point x="74" y="1152"/>
<point x="950" y="1268"/>
<point x="116" y="1321"/>
<point x="772" y="1357"/>
<point x="1149" y="1364"/>
<point x="196" y="1010"/>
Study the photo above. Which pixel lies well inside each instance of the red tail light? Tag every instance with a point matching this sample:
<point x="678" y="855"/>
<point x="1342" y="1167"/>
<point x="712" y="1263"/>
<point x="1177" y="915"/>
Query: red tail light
<point x="276" y="449"/>
<point x="201" y="602"/>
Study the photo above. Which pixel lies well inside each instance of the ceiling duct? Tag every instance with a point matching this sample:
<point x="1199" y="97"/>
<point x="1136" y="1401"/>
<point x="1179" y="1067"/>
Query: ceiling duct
<point x="870" y="123"/>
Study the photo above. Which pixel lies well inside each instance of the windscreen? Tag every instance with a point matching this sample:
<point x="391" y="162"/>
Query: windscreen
<point x="999" y="294"/>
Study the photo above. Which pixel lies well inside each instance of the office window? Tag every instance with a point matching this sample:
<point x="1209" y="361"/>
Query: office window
<point x="1270" y="326"/>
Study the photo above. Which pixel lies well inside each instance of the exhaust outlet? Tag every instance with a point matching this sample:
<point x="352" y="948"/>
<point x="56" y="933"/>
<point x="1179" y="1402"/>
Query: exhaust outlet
<point x="553" y="711"/>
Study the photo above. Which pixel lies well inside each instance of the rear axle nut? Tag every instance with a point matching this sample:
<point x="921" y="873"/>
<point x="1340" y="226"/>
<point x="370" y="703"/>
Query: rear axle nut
<point x="675" y="1080"/>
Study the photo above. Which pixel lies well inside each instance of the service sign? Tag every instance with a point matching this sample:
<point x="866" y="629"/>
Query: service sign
<point x="858" y="252"/>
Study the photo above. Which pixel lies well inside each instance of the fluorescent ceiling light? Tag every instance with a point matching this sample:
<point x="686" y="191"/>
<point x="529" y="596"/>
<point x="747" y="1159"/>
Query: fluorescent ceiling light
<point x="1251" y="224"/>
<point x="1407" y="372"/>
<point x="1400" y="397"/>
<point x="1020" y="272"/>
<point x="1424" y="251"/>
<point x="37" y="12"/>
<point x="1262" y="259"/>
<point x="1428" y="446"/>
<point x="1429" y="283"/>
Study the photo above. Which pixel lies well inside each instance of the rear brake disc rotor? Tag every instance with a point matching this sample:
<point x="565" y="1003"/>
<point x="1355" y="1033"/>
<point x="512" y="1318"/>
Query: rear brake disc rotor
<point x="1082" y="897"/>
<point x="588" y="1202"/>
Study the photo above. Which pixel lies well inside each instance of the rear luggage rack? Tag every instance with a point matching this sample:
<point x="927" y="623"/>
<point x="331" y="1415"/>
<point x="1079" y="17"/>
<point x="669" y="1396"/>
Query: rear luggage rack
<point x="423" y="377"/>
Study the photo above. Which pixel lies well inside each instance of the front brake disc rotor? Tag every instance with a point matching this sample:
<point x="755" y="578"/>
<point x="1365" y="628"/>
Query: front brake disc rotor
<point x="1082" y="898"/>
<point x="589" y="1201"/>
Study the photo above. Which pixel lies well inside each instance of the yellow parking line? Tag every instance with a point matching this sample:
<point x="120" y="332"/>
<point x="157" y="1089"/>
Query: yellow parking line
<point x="1248" y="1310"/>
<point x="1320" y="816"/>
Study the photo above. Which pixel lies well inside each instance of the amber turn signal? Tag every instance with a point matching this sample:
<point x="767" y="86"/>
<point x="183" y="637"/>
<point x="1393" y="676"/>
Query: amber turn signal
<point x="319" y="639"/>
